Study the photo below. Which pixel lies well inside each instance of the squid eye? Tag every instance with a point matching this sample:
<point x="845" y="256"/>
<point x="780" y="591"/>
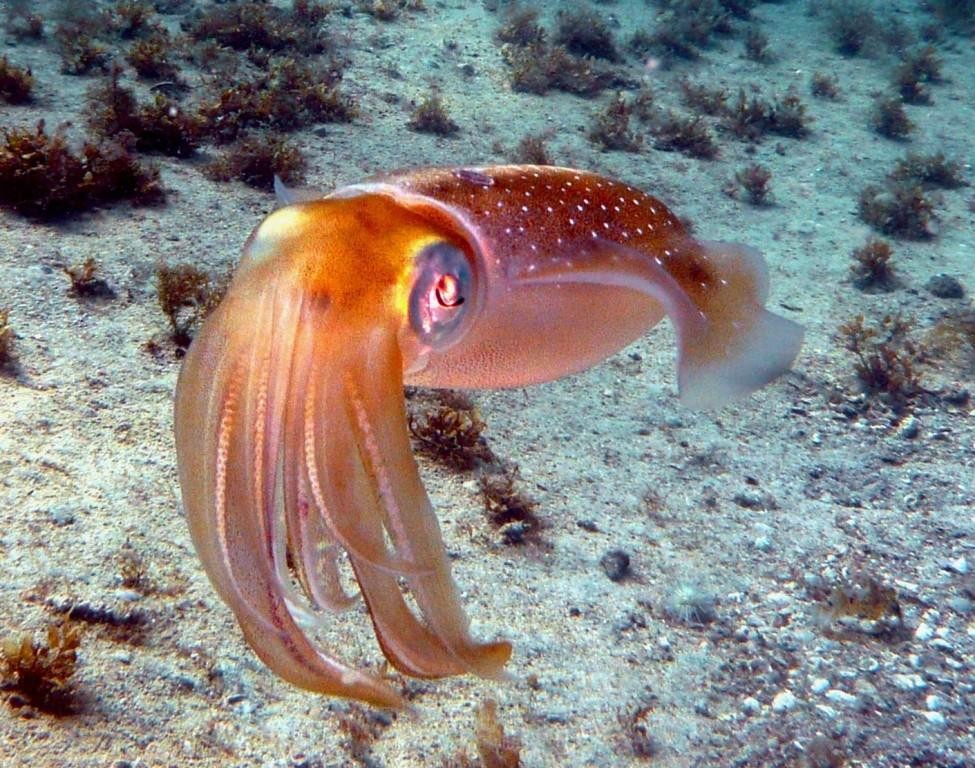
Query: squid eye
<point x="448" y="291"/>
<point x="442" y="286"/>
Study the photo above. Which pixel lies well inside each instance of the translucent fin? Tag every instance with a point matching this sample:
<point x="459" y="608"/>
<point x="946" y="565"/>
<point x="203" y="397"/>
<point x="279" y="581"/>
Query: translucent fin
<point x="761" y="349"/>
<point x="713" y="293"/>
<point x="741" y="346"/>
<point x="290" y="195"/>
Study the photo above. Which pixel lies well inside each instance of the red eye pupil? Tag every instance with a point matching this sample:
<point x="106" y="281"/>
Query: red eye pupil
<point x="448" y="291"/>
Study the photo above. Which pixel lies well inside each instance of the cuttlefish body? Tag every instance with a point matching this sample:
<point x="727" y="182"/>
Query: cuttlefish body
<point x="291" y="427"/>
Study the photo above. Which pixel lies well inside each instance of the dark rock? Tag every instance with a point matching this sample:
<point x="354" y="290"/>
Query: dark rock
<point x="615" y="564"/>
<point x="945" y="287"/>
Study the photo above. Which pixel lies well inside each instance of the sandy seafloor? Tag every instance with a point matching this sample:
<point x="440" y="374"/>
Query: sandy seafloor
<point x="763" y="504"/>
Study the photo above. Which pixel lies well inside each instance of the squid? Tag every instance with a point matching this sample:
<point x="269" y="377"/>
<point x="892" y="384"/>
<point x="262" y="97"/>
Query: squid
<point x="294" y="456"/>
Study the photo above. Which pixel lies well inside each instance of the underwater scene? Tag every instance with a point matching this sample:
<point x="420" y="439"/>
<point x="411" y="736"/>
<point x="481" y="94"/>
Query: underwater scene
<point x="480" y="384"/>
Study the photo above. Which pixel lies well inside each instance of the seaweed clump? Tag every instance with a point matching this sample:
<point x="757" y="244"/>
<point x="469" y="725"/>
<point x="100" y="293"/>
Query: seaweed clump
<point x="871" y="269"/>
<point x="584" y="33"/>
<point x="389" y="10"/>
<point x="756" y="180"/>
<point x="885" y="359"/>
<point x="245" y="26"/>
<point x="161" y="126"/>
<point x="6" y="339"/>
<point x="286" y="97"/>
<point x="956" y="14"/>
<point x="39" y="672"/>
<point x="611" y="129"/>
<point x="539" y="68"/>
<point x="256" y="160"/>
<point x="362" y="727"/>
<point x="952" y="340"/>
<point x="495" y="749"/>
<point x="16" y="84"/>
<point x="431" y="116"/>
<point x="133" y="18"/>
<point x="85" y="282"/>
<point x="508" y="510"/>
<point x="451" y="432"/>
<point x="80" y="50"/>
<point x="24" y="24"/>
<point x="684" y="29"/>
<point x="132" y="570"/>
<point x="41" y="177"/>
<point x="186" y="295"/>
<point x="638" y="739"/>
<point x="824" y="86"/>
<point x="788" y="116"/>
<point x="757" y="46"/>
<point x="872" y="605"/>
<point x="931" y="170"/>
<point x="521" y="27"/>
<point x="152" y="57"/>
<point x="889" y="119"/>
<point x="575" y="63"/>
<point x="687" y="135"/>
<point x="703" y="98"/>
<point x="750" y="118"/>
<point x="533" y="150"/>
<point x="900" y="208"/>
<point x="164" y="126"/>
<point x="852" y="26"/>
<point x="918" y="69"/>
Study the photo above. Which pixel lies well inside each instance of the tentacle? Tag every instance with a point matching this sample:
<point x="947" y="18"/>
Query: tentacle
<point x="343" y="491"/>
<point x="312" y="545"/>
<point x="321" y="350"/>
<point x="319" y="557"/>
<point x="229" y="402"/>
<point x="376" y="409"/>
<point x="291" y="429"/>
<point x="354" y="498"/>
